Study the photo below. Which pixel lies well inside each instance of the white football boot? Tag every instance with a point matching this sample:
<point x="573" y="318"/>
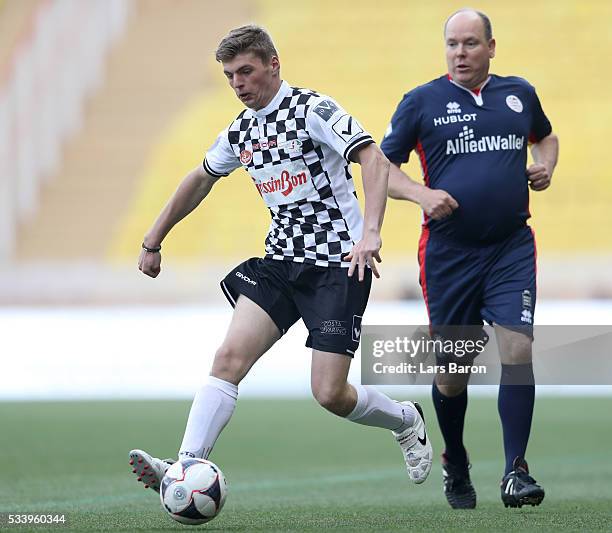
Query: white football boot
<point x="416" y="447"/>
<point x="150" y="470"/>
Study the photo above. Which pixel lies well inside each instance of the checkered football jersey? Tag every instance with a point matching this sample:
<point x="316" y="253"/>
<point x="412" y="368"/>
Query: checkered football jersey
<point x="297" y="151"/>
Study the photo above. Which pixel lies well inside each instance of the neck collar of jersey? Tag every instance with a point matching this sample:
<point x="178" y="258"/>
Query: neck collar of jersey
<point x="476" y="93"/>
<point x="283" y="91"/>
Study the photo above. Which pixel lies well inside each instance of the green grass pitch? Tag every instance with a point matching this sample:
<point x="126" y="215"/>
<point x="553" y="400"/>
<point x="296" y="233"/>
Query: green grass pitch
<point x="293" y="467"/>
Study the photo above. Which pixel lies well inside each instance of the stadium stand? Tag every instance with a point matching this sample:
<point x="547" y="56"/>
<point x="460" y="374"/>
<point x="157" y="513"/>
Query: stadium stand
<point x="148" y="81"/>
<point x="404" y="48"/>
<point x="165" y="100"/>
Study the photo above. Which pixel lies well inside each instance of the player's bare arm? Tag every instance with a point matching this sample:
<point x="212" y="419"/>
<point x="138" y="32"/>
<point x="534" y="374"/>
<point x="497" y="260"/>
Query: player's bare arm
<point x="375" y="174"/>
<point x="436" y="203"/>
<point x="545" y="154"/>
<point x="193" y="189"/>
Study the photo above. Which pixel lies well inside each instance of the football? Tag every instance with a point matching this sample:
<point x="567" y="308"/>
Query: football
<point x="193" y="491"/>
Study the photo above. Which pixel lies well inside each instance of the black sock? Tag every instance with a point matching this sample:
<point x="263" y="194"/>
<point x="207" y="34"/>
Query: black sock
<point x="515" y="406"/>
<point x="451" y="416"/>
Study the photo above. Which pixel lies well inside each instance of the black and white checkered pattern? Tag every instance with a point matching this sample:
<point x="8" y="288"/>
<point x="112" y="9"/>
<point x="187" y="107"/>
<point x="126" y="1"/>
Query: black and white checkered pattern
<point x="322" y="227"/>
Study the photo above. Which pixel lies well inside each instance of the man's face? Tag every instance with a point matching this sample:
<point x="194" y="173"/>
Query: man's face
<point x="254" y="82"/>
<point x="468" y="53"/>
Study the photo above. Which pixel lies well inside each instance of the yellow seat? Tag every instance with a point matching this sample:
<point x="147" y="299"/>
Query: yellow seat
<point x="367" y="56"/>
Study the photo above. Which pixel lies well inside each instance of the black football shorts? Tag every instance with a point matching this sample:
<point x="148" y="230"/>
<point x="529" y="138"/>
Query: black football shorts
<point x="329" y="302"/>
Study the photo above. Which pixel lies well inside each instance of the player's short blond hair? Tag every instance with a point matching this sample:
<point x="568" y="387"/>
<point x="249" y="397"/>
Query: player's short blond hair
<point x="250" y="38"/>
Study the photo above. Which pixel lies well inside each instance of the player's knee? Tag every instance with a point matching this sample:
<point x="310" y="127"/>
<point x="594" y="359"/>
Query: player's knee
<point x="228" y="364"/>
<point x="451" y="384"/>
<point x="328" y="396"/>
<point x="517" y="351"/>
<point x="451" y="389"/>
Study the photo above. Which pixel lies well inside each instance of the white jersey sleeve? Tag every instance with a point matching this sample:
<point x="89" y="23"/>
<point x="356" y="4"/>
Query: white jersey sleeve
<point x="329" y="124"/>
<point x="220" y="158"/>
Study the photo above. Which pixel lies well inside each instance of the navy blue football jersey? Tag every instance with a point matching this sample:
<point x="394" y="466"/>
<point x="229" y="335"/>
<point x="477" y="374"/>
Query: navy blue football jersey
<point x="472" y="144"/>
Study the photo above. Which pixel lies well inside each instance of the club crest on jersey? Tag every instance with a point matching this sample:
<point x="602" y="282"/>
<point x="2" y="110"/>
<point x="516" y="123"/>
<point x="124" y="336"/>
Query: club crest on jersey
<point x="514" y="103"/>
<point x="246" y="157"/>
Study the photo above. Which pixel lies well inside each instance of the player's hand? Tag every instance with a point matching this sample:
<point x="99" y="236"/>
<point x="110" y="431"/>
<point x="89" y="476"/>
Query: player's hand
<point x="437" y="204"/>
<point x="364" y="253"/>
<point x="149" y="263"/>
<point x="538" y="177"/>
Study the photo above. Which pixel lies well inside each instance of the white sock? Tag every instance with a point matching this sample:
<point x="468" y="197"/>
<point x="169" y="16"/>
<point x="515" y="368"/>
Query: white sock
<point x="211" y="410"/>
<point x="375" y="409"/>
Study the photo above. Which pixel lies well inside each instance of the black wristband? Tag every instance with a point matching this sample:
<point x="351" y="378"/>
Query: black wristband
<point x="151" y="250"/>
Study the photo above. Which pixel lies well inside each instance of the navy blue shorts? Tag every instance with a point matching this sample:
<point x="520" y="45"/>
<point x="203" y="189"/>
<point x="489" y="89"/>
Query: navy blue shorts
<point x="464" y="285"/>
<point x="329" y="302"/>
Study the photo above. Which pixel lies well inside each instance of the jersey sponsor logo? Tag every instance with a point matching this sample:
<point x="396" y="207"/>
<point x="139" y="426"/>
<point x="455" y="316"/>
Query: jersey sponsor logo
<point x="246" y="157"/>
<point x="279" y="185"/>
<point x="346" y="127"/>
<point x="264" y="145"/>
<point x="245" y="278"/>
<point x="284" y="184"/>
<point x="453" y="119"/>
<point x="453" y="108"/>
<point x="514" y="103"/>
<point x="294" y="146"/>
<point x="465" y="143"/>
<point x="326" y="109"/>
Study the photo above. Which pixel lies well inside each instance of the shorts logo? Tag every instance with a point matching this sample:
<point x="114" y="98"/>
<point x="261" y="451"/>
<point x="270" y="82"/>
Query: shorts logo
<point x="333" y="327"/>
<point x="245" y="278"/>
<point x="514" y="103"/>
<point x="326" y="109"/>
<point x="526" y="315"/>
<point x="246" y="157"/>
<point x="356" y="329"/>
<point x="526" y="299"/>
